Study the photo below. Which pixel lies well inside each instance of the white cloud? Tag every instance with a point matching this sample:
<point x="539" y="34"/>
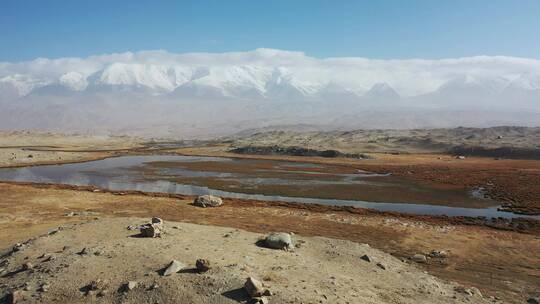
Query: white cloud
<point x="166" y="71"/>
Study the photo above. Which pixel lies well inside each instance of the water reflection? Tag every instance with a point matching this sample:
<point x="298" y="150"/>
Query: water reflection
<point x="121" y="174"/>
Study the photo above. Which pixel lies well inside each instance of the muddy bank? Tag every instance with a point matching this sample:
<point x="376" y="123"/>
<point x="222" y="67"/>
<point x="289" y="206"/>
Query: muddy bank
<point x="512" y="182"/>
<point x="499" y="262"/>
<point x="522" y="225"/>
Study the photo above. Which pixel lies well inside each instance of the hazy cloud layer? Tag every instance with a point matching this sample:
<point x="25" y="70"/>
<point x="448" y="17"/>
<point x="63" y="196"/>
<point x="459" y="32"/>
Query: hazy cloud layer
<point x="166" y="71"/>
<point x="157" y="92"/>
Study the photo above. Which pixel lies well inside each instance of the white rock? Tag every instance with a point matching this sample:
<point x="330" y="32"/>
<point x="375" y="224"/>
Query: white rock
<point x="174" y="267"/>
<point x="208" y="201"/>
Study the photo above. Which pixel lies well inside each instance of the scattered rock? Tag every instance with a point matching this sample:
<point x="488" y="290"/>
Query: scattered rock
<point x="157" y="220"/>
<point x="49" y="258"/>
<point x="279" y="241"/>
<point x="475" y="292"/>
<point x="472" y="291"/>
<point x="99" y="284"/>
<point x="27" y="266"/>
<point x="419" y="258"/>
<point x="441" y="254"/>
<point x="130" y="285"/>
<point x="173" y="267"/>
<point x="460" y="157"/>
<point x="366" y="258"/>
<point x="202" y="265"/>
<point x="84" y="251"/>
<point x="15" y="297"/>
<point x="254" y="287"/>
<point x="261" y="300"/>
<point x="533" y="301"/>
<point x="151" y="230"/>
<point x="381" y="266"/>
<point x="44" y="287"/>
<point x="17" y="247"/>
<point x="208" y="201"/>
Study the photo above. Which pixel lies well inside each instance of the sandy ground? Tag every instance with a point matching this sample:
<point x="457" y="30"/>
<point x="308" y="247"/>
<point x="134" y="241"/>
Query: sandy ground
<point x="21" y="148"/>
<point x="501" y="264"/>
<point x="319" y="270"/>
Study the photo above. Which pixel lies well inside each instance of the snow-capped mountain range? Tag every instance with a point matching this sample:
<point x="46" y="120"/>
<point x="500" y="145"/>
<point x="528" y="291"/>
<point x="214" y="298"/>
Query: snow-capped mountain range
<point x="271" y="83"/>
<point x="271" y="74"/>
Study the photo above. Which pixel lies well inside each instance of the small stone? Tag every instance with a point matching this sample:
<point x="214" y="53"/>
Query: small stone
<point x="130" y="285"/>
<point x="98" y="252"/>
<point x="15" y="297"/>
<point x="366" y="258"/>
<point x="254" y="287"/>
<point x="99" y="284"/>
<point x="419" y="258"/>
<point x="44" y="287"/>
<point x="157" y="220"/>
<point x="381" y="266"/>
<point x="533" y="300"/>
<point x="27" y="266"/>
<point x="17" y="247"/>
<point x="441" y="254"/>
<point x="173" y="267"/>
<point x="84" y="251"/>
<point x="202" y="265"/>
<point x="261" y="300"/>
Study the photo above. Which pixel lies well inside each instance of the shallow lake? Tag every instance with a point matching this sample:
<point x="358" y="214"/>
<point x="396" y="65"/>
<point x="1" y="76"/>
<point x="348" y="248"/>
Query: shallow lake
<point x="262" y="180"/>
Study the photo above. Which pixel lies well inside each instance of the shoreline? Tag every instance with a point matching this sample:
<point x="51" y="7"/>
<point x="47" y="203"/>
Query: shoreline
<point x="518" y="224"/>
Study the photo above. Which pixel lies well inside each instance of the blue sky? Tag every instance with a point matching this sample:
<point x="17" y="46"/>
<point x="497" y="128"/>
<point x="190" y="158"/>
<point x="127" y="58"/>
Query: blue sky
<point x="374" y="29"/>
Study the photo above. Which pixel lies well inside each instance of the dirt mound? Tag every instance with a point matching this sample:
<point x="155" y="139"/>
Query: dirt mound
<point x="117" y="265"/>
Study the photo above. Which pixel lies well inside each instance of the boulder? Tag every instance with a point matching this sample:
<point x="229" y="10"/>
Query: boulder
<point x="208" y="201"/>
<point x="419" y="258"/>
<point x="279" y="240"/>
<point x="254" y="287"/>
<point x="153" y="229"/>
<point x="173" y="267"/>
<point x="202" y="265"/>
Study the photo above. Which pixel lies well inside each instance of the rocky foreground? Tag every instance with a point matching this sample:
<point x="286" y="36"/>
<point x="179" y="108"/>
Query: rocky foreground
<point x="116" y="261"/>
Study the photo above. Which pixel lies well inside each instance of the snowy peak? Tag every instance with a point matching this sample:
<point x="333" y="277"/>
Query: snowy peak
<point x="381" y="91"/>
<point x="139" y="75"/>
